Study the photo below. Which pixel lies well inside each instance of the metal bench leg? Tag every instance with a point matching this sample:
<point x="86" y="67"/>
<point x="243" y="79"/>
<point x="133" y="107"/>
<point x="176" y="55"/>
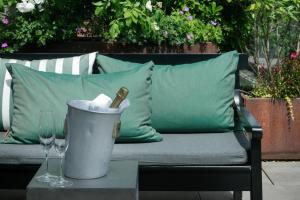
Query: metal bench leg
<point x="256" y="175"/>
<point x="237" y="195"/>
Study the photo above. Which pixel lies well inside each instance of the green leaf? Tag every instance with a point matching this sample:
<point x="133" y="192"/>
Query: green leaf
<point x="1" y="4"/>
<point x="114" y="30"/>
<point x="38" y="32"/>
<point x="134" y="19"/>
<point x="134" y="13"/>
<point x="213" y="6"/>
<point x="99" y="3"/>
<point x="128" y="21"/>
<point x="98" y="11"/>
<point x="127" y="14"/>
<point x="137" y="4"/>
<point x="252" y="7"/>
<point x="60" y="4"/>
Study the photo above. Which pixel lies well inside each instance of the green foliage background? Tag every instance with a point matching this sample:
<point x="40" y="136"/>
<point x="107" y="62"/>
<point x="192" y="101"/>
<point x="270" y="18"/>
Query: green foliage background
<point x="127" y="21"/>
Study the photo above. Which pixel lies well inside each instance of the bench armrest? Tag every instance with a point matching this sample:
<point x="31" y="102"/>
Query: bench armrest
<point x="245" y="118"/>
<point x="249" y="123"/>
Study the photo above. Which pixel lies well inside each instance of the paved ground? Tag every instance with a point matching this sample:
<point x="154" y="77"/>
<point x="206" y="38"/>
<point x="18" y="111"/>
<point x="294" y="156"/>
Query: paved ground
<point x="284" y="185"/>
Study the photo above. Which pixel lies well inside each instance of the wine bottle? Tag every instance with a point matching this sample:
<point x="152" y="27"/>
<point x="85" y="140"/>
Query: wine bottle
<point x="120" y="96"/>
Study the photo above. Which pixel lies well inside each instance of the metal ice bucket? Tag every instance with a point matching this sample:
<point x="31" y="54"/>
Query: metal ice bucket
<point x="91" y="138"/>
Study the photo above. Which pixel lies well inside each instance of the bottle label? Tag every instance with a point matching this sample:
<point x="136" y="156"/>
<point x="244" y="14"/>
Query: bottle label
<point x="116" y="129"/>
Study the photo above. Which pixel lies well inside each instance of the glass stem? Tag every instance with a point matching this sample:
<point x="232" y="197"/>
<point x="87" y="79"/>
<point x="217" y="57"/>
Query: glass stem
<point x="61" y="169"/>
<point x="46" y="158"/>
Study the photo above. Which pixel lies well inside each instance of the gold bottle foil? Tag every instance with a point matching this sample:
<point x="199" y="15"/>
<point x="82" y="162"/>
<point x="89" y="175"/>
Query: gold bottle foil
<point x="120" y="96"/>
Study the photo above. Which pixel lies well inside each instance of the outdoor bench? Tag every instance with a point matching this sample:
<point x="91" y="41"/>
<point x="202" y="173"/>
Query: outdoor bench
<point x="181" y="162"/>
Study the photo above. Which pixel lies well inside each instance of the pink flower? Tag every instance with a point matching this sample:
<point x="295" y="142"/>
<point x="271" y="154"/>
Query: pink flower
<point x="81" y="30"/>
<point x="4" y="45"/>
<point x="293" y="55"/>
<point x="276" y="69"/>
<point x="5" y="20"/>
<point x="78" y="30"/>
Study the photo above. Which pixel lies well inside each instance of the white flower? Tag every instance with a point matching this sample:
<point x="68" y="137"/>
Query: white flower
<point x="39" y="1"/>
<point x="155" y="26"/>
<point x="40" y="8"/>
<point x="25" y="6"/>
<point x="159" y="4"/>
<point x="149" y="6"/>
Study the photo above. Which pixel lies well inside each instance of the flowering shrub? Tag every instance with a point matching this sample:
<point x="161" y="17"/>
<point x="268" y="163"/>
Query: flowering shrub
<point x="182" y="28"/>
<point x="281" y="81"/>
<point x="231" y="17"/>
<point x="151" y="22"/>
<point x="38" y="22"/>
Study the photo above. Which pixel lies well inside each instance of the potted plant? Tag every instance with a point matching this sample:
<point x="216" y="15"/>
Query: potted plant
<point x="274" y="100"/>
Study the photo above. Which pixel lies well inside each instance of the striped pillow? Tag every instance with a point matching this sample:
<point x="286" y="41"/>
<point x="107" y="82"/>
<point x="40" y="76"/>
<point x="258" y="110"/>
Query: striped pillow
<point x="72" y="65"/>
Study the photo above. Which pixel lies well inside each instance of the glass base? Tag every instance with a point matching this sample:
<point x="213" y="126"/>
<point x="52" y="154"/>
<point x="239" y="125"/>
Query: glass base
<point x="46" y="178"/>
<point x="60" y="182"/>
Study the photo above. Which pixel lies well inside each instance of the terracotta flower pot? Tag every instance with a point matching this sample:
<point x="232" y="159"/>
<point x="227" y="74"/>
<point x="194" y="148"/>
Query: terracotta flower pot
<point x="281" y="137"/>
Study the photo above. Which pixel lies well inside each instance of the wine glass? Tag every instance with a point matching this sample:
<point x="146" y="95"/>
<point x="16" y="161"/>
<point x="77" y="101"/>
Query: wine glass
<point x="61" y="144"/>
<point x="46" y="137"/>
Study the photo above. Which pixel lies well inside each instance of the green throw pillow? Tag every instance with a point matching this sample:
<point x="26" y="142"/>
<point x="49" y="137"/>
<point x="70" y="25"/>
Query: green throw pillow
<point x="71" y="65"/>
<point x="194" y="97"/>
<point x="110" y="65"/>
<point x="34" y="91"/>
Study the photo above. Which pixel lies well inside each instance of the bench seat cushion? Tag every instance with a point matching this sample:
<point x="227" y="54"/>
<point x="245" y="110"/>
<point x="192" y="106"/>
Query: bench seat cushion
<point x="176" y="149"/>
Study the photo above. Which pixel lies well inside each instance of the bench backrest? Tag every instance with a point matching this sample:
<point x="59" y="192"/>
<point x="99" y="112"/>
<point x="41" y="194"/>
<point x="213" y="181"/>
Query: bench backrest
<point x="162" y="59"/>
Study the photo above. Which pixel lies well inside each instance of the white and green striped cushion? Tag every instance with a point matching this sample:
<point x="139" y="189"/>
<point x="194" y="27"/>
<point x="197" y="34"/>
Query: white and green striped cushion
<point x="72" y="65"/>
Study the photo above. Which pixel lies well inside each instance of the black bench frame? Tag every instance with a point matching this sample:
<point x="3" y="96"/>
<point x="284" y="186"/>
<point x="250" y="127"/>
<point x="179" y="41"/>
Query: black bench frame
<point x="236" y="178"/>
